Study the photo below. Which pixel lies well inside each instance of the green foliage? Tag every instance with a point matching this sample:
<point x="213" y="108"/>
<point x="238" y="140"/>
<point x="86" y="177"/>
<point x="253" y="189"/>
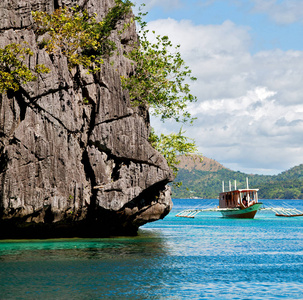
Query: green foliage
<point x="78" y="35"/>
<point x="160" y="78"/>
<point x="13" y="70"/>
<point x="171" y="146"/>
<point x="160" y="82"/>
<point x="208" y="184"/>
<point x="282" y="189"/>
<point x="71" y="30"/>
<point x="85" y="100"/>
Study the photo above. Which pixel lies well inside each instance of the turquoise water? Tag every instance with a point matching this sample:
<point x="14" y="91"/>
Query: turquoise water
<point x="208" y="257"/>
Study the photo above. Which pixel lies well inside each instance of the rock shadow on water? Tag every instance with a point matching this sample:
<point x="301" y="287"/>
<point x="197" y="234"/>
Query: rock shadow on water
<point x="145" y="244"/>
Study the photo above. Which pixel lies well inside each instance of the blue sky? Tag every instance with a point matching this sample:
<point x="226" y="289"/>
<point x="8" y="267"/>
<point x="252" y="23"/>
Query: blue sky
<point x="248" y="58"/>
<point x="266" y="32"/>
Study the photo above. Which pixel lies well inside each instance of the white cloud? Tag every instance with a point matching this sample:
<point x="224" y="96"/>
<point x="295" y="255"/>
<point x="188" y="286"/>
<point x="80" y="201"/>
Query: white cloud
<point x="250" y="106"/>
<point x="211" y="51"/>
<point x="282" y="12"/>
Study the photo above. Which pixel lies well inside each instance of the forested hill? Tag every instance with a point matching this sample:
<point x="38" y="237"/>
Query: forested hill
<point x="203" y="179"/>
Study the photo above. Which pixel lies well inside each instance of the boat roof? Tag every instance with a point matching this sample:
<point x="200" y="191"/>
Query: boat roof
<point x="241" y="190"/>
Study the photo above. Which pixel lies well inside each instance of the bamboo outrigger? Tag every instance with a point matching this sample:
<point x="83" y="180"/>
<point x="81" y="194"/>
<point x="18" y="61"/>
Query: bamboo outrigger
<point x="287" y="211"/>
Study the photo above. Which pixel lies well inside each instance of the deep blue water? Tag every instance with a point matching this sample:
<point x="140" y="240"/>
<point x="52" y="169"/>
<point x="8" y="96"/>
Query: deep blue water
<point x="208" y="257"/>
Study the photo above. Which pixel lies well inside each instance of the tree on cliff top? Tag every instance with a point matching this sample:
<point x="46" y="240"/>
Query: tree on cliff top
<point x="160" y="78"/>
<point x="75" y="33"/>
<point x="160" y="82"/>
<point x="78" y="35"/>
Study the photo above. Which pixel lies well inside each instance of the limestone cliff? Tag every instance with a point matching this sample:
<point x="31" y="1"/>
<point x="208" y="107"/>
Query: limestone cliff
<point x="69" y="168"/>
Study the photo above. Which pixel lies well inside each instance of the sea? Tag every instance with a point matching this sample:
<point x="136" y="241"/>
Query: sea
<point x="207" y="257"/>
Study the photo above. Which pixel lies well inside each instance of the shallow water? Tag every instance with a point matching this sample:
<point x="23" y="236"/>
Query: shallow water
<point x="208" y="257"/>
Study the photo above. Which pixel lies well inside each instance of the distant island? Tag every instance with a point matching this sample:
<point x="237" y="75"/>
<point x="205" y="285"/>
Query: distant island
<point x="203" y="179"/>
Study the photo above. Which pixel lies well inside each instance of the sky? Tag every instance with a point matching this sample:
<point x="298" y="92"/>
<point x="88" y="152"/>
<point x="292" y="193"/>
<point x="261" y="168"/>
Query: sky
<point x="247" y="56"/>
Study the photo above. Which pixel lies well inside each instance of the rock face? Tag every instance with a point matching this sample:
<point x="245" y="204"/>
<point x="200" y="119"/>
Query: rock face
<point x="67" y="167"/>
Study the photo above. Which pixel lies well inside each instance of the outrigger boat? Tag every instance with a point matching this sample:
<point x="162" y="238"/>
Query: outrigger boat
<point x="241" y="203"/>
<point x="237" y="203"/>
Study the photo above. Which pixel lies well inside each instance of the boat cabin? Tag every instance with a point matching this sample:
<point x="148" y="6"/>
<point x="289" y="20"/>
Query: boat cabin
<point x="238" y="198"/>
